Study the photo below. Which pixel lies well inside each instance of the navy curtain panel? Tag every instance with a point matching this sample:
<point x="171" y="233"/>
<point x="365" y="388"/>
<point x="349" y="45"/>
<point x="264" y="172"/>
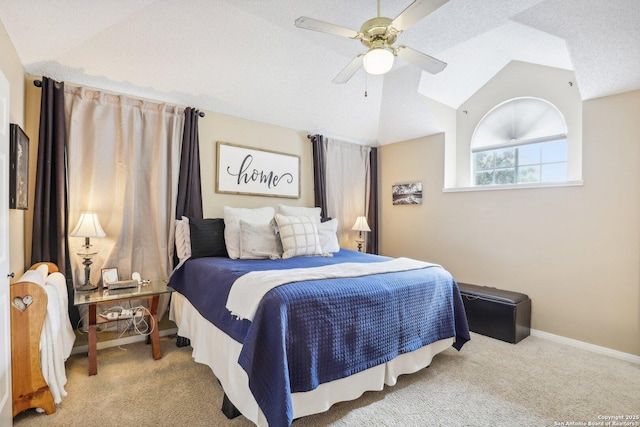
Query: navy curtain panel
<point x="319" y="170"/>
<point x="372" y="211"/>
<point x="50" y="212"/>
<point x="189" y="202"/>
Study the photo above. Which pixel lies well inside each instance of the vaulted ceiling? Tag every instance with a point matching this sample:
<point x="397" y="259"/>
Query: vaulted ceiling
<point x="246" y="58"/>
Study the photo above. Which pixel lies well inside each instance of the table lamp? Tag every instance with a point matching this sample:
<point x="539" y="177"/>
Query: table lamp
<point x="88" y="226"/>
<point x="360" y="226"/>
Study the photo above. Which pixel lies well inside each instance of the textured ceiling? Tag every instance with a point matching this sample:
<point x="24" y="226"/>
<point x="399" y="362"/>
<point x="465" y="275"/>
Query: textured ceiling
<point x="246" y="58"/>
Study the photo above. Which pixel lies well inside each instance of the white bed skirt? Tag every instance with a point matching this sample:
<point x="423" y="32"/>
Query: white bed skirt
<point x="220" y="352"/>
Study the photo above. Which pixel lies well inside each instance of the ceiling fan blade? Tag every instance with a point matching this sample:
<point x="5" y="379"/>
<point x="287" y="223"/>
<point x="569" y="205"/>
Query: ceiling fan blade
<point x="325" y="27"/>
<point x="426" y="62"/>
<point x="415" y="12"/>
<point x="348" y="71"/>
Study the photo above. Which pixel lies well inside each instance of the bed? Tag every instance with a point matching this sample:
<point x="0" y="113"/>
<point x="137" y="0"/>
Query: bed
<point x="309" y="331"/>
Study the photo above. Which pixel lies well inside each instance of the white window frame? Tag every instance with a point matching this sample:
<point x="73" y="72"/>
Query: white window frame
<point x="518" y="143"/>
<point x="517" y="166"/>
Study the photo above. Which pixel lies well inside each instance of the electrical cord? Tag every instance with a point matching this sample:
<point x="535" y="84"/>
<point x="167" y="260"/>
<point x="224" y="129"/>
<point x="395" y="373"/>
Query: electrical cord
<point x="136" y="322"/>
<point x="139" y="322"/>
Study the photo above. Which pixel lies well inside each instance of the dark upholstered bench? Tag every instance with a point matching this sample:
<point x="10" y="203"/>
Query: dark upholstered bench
<point x="496" y="313"/>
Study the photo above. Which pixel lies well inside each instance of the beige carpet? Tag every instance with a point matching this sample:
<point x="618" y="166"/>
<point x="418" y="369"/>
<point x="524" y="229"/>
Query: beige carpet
<point x="489" y="383"/>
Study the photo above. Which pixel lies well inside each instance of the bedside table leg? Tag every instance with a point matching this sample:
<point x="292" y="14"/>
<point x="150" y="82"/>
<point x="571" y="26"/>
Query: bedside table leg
<point x="155" y="335"/>
<point x="93" y="341"/>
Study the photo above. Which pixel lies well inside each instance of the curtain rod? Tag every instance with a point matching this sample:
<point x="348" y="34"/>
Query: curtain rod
<point x="38" y="83"/>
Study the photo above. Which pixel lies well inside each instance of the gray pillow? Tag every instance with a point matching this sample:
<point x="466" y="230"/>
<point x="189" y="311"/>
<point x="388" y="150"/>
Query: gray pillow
<point x="259" y="241"/>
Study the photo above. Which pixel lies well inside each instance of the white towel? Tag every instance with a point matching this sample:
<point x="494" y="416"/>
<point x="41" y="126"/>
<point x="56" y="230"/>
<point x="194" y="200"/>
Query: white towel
<point x="51" y="359"/>
<point x="50" y="346"/>
<point x="57" y="337"/>
<point x="58" y="281"/>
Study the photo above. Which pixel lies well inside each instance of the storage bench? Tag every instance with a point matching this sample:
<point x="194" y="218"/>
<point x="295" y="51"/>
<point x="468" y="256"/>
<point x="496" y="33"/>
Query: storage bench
<point x="497" y="313"/>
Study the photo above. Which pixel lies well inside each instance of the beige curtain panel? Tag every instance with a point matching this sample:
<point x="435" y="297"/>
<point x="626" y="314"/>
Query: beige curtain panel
<point x="123" y="163"/>
<point x="347" y="174"/>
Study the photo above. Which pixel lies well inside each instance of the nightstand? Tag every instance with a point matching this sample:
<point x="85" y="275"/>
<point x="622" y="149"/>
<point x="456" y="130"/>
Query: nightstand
<point x="150" y="292"/>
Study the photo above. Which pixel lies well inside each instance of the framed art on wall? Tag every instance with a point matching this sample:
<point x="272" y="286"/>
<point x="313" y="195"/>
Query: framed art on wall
<point x="407" y="194"/>
<point x="251" y="171"/>
<point x="18" y="168"/>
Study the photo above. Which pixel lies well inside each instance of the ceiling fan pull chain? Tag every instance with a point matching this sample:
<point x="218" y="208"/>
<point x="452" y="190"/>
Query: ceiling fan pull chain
<point x="365" y="85"/>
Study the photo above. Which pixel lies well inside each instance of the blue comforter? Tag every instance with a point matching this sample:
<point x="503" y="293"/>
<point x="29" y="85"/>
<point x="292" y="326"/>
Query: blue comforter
<point x="308" y="333"/>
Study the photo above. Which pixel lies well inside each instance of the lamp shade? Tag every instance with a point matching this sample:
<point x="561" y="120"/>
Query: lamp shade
<point x="361" y="224"/>
<point x="378" y="60"/>
<point x="88" y="226"/>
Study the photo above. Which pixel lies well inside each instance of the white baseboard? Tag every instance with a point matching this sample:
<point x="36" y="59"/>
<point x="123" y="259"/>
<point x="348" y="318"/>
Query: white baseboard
<point x="122" y="341"/>
<point x="586" y="346"/>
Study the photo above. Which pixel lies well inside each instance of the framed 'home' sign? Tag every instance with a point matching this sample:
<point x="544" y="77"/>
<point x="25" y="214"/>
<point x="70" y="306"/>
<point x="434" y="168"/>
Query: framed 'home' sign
<point x="245" y="170"/>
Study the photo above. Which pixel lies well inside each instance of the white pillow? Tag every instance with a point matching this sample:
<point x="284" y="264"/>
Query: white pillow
<point x="300" y="211"/>
<point x="183" y="238"/>
<point x="327" y="233"/>
<point x="232" y="217"/>
<point x="299" y="236"/>
<point x="259" y="241"/>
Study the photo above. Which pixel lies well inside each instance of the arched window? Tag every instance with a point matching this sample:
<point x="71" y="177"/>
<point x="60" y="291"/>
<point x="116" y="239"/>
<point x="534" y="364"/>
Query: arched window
<point x="520" y="141"/>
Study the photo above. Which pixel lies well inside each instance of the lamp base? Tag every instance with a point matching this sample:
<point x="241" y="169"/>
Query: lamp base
<point x="87" y="287"/>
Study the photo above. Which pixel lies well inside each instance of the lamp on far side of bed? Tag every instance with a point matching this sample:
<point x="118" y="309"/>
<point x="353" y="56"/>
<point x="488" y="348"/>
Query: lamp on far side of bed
<point x="360" y="226"/>
<point x="88" y="226"/>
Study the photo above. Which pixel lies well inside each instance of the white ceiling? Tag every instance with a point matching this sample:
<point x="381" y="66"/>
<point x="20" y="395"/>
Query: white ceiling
<point x="246" y="58"/>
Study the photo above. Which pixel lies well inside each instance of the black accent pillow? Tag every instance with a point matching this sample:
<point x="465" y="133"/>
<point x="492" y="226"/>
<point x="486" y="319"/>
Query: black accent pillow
<point x="207" y="237"/>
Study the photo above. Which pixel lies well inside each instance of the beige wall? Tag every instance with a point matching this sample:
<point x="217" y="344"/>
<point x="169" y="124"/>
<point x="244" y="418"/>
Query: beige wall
<point x="32" y="128"/>
<point x="220" y="127"/>
<point x="574" y="250"/>
<point x="14" y="72"/>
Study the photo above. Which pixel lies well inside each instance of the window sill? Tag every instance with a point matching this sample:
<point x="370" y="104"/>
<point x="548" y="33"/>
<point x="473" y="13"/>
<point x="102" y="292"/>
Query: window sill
<point x="577" y="183"/>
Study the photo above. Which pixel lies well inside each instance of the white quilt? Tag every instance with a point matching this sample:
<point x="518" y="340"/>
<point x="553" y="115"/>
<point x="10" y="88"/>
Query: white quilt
<point x="247" y="291"/>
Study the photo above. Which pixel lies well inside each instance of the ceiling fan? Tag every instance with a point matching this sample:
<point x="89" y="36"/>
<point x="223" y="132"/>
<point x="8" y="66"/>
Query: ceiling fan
<point x="378" y="35"/>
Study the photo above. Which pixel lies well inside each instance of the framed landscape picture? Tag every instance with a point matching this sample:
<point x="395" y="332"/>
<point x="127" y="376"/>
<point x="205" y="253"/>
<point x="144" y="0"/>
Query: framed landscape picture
<point x="245" y="170"/>
<point x="407" y="194"/>
<point x="18" y="168"/>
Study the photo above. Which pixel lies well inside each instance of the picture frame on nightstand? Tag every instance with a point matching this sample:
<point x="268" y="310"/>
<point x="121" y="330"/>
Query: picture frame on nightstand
<point x="109" y="275"/>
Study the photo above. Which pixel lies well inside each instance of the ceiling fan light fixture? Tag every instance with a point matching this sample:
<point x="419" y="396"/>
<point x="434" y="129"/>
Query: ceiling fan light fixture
<point x="378" y="35"/>
<point x="378" y="61"/>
